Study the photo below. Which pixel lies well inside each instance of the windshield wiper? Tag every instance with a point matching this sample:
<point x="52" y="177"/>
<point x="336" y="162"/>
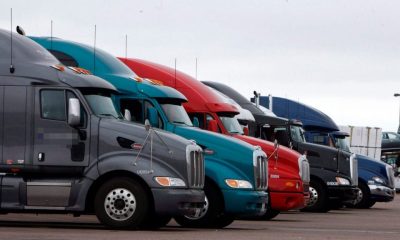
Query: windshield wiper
<point x="180" y="122"/>
<point x="234" y="132"/>
<point x="108" y="115"/>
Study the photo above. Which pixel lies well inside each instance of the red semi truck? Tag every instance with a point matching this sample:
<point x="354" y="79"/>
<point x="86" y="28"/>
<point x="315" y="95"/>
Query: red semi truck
<point x="288" y="170"/>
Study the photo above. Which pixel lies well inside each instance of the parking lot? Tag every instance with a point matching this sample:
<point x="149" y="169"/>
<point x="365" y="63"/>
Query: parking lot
<point x="380" y="222"/>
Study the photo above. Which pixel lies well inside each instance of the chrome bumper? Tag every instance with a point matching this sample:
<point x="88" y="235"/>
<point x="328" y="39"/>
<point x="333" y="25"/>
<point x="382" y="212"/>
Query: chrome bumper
<point x="382" y="191"/>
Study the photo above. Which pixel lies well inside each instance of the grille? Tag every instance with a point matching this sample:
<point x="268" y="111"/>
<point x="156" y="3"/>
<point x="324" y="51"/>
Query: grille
<point x="196" y="170"/>
<point x="260" y="170"/>
<point x="390" y="175"/>
<point x="304" y="168"/>
<point x="354" y="169"/>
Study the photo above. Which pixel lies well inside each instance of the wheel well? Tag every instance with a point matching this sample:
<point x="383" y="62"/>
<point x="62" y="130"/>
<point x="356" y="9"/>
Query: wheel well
<point x="317" y="179"/>
<point x="211" y="182"/>
<point x="110" y="175"/>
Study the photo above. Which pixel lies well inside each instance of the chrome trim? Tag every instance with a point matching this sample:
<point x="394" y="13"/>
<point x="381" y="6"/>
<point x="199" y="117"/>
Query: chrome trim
<point x="390" y="175"/>
<point x="382" y="190"/>
<point x="260" y="163"/>
<point x="195" y="166"/>
<point x="57" y="184"/>
<point x="304" y="169"/>
<point x="354" y="169"/>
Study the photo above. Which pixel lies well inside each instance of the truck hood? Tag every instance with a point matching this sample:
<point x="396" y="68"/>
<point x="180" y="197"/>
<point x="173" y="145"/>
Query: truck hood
<point x="226" y="149"/>
<point x="171" y="150"/>
<point x="372" y="165"/>
<point x="287" y="158"/>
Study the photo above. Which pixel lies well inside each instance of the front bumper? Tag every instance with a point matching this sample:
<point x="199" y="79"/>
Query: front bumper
<point x="381" y="193"/>
<point x="176" y="202"/>
<point x="342" y="193"/>
<point x="245" y="203"/>
<point x="283" y="201"/>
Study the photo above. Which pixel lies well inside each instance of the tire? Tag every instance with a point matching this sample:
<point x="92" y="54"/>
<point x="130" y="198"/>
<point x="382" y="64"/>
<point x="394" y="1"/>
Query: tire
<point x="155" y="221"/>
<point x="121" y="203"/>
<point x="365" y="201"/>
<point x="212" y="215"/>
<point x="318" y="198"/>
<point x="270" y="214"/>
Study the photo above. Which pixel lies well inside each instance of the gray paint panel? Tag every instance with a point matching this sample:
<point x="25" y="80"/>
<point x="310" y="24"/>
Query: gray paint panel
<point x="14" y="122"/>
<point x="1" y="122"/>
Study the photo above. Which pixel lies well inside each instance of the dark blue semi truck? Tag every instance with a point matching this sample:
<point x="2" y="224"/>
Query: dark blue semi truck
<point x="376" y="179"/>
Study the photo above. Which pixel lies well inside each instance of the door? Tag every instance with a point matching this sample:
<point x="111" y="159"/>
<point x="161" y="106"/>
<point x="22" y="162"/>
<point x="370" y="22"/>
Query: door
<point x="55" y="142"/>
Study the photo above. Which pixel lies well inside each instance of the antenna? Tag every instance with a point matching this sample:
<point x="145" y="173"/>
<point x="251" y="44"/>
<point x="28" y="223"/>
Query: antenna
<point x="175" y="74"/>
<point x="51" y="35"/>
<point x="196" y="68"/>
<point x="126" y="46"/>
<point x="12" y="69"/>
<point x="94" y="51"/>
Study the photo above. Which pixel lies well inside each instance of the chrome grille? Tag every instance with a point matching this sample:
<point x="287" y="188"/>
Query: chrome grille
<point x="196" y="171"/>
<point x="260" y="163"/>
<point x="354" y="169"/>
<point x="304" y="168"/>
<point x="390" y="175"/>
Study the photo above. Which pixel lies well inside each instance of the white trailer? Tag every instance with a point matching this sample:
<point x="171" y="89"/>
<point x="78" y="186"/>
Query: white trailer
<point x="364" y="140"/>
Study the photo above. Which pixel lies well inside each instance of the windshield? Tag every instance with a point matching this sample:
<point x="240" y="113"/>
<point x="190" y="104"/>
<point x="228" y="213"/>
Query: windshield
<point x="341" y="143"/>
<point x="176" y="114"/>
<point x="102" y="105"/>
<point x="231" y="124"/>
<point x="297" y="133"/>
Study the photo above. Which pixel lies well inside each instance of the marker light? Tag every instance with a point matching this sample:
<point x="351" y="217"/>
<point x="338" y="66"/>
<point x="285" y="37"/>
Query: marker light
<point x="170" y="182"/>
<point x="235" y="183"/>
<point x="342" y="181"/>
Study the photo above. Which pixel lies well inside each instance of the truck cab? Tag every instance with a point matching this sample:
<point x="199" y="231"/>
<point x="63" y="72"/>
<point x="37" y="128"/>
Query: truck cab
<point x="65" y="148"/>
<point x="376" y="179"/>
<point x="288" y="170"/>
<point x="333" y="173"/>
<point x="235" y="180"/>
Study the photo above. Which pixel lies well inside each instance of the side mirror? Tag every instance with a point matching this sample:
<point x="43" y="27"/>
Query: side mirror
<point x="127" y="115"/>
<point x="152" y="116"/>
<point x="246" y="131"/>
<point x="74" y="112"/>
<point x="147" y="124"/>
<point x="196" y="122"/>
<point x="212" y="126"/>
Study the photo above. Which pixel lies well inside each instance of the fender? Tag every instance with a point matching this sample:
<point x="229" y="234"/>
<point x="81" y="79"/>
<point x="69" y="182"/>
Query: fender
<point x="219" y="170"/>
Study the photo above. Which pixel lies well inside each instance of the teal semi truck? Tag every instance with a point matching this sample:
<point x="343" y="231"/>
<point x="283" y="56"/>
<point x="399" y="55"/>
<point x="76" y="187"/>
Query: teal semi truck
<point x="236" y="172"/>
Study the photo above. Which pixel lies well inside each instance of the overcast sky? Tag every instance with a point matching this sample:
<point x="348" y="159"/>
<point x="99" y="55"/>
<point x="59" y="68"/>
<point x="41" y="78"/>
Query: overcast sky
<point x="342" y="57"/>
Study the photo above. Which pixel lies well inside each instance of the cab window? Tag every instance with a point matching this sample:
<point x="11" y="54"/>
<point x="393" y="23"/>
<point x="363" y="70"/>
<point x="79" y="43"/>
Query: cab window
<point x="53" y="105"/>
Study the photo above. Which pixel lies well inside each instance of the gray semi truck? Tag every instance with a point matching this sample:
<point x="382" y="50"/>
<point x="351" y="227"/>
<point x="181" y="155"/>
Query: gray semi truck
<point x="64" y="148"/>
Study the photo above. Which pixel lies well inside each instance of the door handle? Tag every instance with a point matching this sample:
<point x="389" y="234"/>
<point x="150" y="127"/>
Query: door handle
<point x="41" y="157"/>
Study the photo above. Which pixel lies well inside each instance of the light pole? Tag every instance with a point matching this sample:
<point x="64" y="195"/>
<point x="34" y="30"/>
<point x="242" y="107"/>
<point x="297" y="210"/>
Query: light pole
<point x="398" y="95"/>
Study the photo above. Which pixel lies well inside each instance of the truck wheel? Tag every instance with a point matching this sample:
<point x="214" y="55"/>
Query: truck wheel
<point x="318" y="198"/>
<point x="155" y="221"/>
<point x="212" y="215"/>
<point x="364" y="197"/>
<point x="270" y="214"/>
<point x="121" y="203"/>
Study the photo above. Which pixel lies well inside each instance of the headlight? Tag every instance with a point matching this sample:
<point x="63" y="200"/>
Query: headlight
<point x="378" y="180"/>
<point x="170" y="182"/>
<point x="234" y="183"/>
<point x="342" y="181"/>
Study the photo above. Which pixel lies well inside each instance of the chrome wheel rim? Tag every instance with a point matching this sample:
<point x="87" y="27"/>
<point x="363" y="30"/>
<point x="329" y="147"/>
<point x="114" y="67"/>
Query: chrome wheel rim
<point x="200" y="212"/>
<point x="359" y="196"/>
<point x="120" y="204"/>
<point x="313" y="196"/>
